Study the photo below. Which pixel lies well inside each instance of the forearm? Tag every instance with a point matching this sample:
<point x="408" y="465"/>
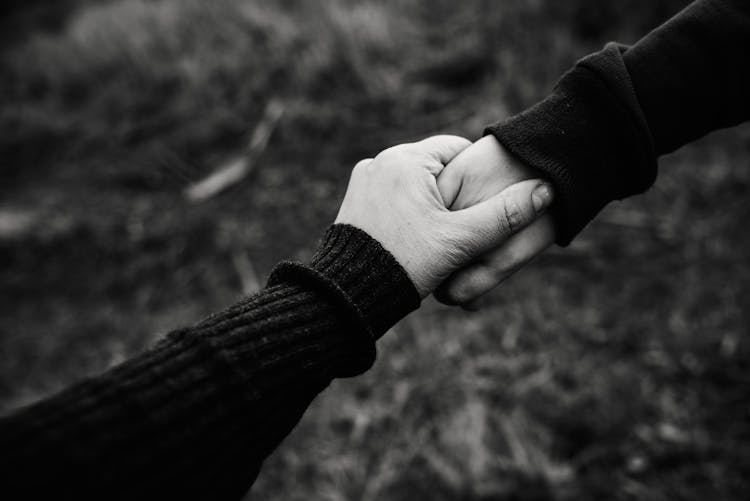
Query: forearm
<point x="195" y="417"/>
<point x="176" y="420"/>
<point x="692" y="74"/>
<point x="597" y="136"/>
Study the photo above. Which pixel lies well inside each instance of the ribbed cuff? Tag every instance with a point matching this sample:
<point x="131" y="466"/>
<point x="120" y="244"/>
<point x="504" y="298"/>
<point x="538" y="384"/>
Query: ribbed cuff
<point x="195" y="416"/>
<point x="589" y="137"/>
<point x="362" y="276"/>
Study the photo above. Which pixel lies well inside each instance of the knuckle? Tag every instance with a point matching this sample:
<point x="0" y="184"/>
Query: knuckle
<point x="460" y="293"/>
<point x="394" y="158"/>
<point x="502" y="224"/>
<point x="361" y="169"/>
<point x="450" y="292"/>
<point x="362" y="164"/>
<point x="468" y="286"/>
<point x="392" y="153"/>
<point x="513" y="215"/>
<point x="448" y="138"/>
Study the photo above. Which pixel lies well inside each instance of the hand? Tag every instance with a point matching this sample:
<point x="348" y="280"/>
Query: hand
<point x="477" y="174"/>
<point x="395" y="199"/>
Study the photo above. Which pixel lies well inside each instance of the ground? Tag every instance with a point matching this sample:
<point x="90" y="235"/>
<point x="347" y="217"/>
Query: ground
<point x="614" y="368"/>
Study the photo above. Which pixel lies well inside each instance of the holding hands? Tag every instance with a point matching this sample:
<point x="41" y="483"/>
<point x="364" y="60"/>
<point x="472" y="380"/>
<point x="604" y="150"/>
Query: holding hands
<point x="479" y="173"/>
<point x="442" y="205"/>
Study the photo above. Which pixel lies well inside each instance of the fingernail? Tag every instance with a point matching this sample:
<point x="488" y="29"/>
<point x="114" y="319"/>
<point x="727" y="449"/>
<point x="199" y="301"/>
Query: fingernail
<point x="541" y="197"/>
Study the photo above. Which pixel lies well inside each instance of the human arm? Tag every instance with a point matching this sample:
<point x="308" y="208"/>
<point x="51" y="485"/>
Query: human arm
<point x="597" y="136"/>
<point x="195" y="417"/>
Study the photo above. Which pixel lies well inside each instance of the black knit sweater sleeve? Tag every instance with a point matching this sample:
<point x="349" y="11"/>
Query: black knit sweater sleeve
<point x="598" y="134"/>
<point x="195" y="417"/>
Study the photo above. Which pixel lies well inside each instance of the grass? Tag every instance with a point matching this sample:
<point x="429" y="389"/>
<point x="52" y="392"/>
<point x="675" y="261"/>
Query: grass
<point x="616" y="368"/>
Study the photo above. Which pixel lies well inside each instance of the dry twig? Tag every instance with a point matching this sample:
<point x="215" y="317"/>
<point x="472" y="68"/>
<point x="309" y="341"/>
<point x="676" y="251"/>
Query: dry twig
<point x="246" y="272"/>
<point x="236" y="169"/>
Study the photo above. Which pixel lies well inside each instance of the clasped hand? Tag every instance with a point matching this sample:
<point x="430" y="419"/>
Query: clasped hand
<point x="451" y="212"/>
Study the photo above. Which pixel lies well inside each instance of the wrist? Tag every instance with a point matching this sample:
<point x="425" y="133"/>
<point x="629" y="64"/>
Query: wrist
<point x="590" y="139"/>
<point x="362" y="274"/>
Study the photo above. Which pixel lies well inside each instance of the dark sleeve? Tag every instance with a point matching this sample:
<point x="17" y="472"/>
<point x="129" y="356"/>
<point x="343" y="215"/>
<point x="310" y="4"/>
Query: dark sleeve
<point x="195" y="417"/>
<point x="599" y="133"/>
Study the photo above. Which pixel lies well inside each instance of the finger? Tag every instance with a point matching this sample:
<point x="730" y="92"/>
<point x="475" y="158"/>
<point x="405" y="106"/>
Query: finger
<point x="442" y="148"/>
<point x="490" y="223"/>
<point x="485" y="158"/>
<point x="449" y="183"/>
<point x="473" y="306"/>
<point x="472" y="282"/>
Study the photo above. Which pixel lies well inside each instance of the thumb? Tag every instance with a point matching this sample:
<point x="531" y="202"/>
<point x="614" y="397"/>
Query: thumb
<point x="490" y="223"/>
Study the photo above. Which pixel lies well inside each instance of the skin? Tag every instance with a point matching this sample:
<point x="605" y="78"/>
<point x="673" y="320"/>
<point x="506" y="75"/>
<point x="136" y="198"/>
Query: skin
<point x="475" y="175"/>
<point x="396" y="199"/>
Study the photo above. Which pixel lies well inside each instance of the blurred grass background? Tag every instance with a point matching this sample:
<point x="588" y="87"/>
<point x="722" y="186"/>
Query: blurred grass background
<point x="617" y="368"/>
